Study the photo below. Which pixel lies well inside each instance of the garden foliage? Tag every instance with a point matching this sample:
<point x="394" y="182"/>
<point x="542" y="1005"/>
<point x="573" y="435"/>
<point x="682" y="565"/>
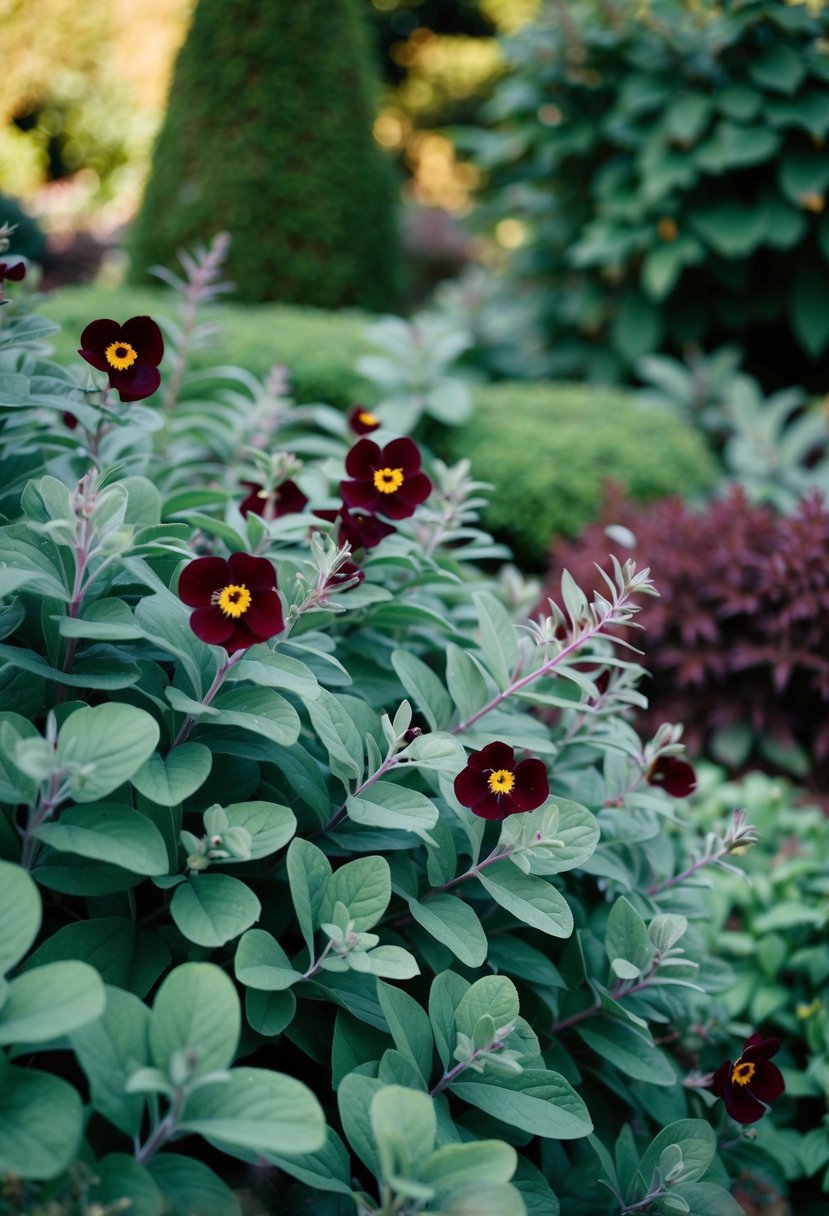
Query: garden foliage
<point x="667" y="161"/>
<point x="739" y="646"/>
<point x="269" y="128"/>
<point x="247" y="914"/>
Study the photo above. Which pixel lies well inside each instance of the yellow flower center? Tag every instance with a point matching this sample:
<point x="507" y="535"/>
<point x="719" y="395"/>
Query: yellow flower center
<point x="234" y="600"/>
<point x="501" y="781"/>
<point x="366" y="418"/>
<point x="388" y="480"/>
<point x="120" y="355"/>
<point x="742" y="1072"/>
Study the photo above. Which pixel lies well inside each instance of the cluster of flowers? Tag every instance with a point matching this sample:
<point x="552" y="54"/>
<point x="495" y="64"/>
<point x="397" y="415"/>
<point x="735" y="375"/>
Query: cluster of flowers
<point x="236" y="605"/>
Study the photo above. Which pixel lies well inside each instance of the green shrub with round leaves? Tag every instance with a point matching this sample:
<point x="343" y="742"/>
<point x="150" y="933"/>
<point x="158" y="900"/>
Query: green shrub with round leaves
<point x="247" y="916"/>
<point x="667" y="162"/>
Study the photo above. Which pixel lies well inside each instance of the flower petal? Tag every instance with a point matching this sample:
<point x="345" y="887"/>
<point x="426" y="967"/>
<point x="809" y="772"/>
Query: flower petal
<point x="200" y="579"/>
<point x="416" y="489"/>
<point x="676" y="776"/>
<point x="264" y="617"/>
<point x="532" y="785"/>
<point x="363" y="459"/>
<point x="758" y="1048"/>
<point x="143" y="334"/>
<point x="360" y="494"/>
<point x="494" y="755"/>
<point x="493" y="806"/>
<point x="99" y="334"/>
<point x="139" y="382"/>
<point x="211" y="625"/>
<point x="97" y="359"/>
<point x="741" y="1104"/>
<point x="402" y="454"/>
<point x="767" y="1082"/>
<point x="257" y="573"/>
<point x="471" y="786"/>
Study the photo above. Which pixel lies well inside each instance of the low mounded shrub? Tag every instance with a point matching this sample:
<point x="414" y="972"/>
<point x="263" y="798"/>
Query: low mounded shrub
<point x="548" y="449"/>
<point x="737" y="642"/>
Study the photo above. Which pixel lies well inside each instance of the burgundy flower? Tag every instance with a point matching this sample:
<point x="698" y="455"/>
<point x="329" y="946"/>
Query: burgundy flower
<point x="345" y="574"/>
<point x="362" y="421"/>
<point x="286" y="499"/>
<point x="385" y="480"/>
<point x="12" y="270"/>
<point x="236" y="601"/>
<point x="359" y="530"/>
<point x="493" y="786"/>
<point x="128" y="353"/>
<point x="676" y="776"/>
<point x="748" y="1086"/>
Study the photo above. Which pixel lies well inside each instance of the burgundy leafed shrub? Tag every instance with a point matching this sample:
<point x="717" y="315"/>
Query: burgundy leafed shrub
<point x="740" y="634"/>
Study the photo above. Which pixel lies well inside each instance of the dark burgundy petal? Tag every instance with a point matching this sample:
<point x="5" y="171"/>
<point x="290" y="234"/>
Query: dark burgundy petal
<point x="471" y="787"/>
<point x="254" y="502"/>
<point x="257" y="573"/>
<point x="200" y="579"/>
<point x="363" y="459"/>
<point x="289" y="499"/>
<point x="532" y="786"/>
<point x="361" y="531"/>
<point x="494" y="756"/>
<point x="741" y="1104"/>
<point x="359" y="494"/>
<point x="676" y="776"/>
<point x="211" y="625"/>
<point x="98" y="335"/>
<point x="145" y="337"/>
<point x="12" y="270"/>
<point x="401" y="454"/>
<point x="758" y="1048"/>
<point x="416" y="489"/>
<point x="394" y="506"/>
<point x="493" y="806"/>
<point x="346" y="572"/>
<point x="136" y="383"/>
<point x="767" y="1082"/>
<point x="241" y="638"/>
<point x="720" y="1078"/>
<point x="362" y="421"/>
<point x="264" y="617"/>
<point x="96" y="358"/>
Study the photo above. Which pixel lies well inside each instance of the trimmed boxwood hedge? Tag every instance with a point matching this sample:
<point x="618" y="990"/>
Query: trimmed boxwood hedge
<point x="548" y="448"/>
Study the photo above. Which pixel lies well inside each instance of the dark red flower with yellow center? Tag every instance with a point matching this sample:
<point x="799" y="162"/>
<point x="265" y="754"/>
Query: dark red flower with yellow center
<point x="286" y="499"/>
<point x="493" y="786"/>
<point x="357" y="529"/>
<point x="235" y="600"/>
<point x="748" y="1086"/>
<point x="12" y="270"/>
<point x="676" y="776"/>
<point x="385" y="481"/>
<point x="362" y="421"/>
<point x="128" y="353"/>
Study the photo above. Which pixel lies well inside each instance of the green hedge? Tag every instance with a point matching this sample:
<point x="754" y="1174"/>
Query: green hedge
<point x="550" y="447"/>
<point x="320" y="348"/>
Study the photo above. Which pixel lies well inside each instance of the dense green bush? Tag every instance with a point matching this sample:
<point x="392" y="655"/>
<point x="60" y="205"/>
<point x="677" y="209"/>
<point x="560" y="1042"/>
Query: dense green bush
<point x="549" y="449"/>
<point x="668" y="162"/>
<point x="319" y="348"/>
<point x="269" y="135"/>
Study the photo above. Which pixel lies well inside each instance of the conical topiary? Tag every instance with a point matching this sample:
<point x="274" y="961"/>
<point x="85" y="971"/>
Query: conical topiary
<point x="268" y="134"/>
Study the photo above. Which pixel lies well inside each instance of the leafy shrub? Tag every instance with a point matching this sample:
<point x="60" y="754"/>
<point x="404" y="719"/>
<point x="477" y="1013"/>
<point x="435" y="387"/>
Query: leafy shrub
<point x="240" y="899"/>
<point x="666" y="160"/>
<point x="547" y="449"/>
<point x="269" y="130"/>
<point x="737" y="641"/>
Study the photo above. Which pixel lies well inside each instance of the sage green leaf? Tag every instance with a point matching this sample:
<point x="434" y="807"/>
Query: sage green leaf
<point x="637" y="326"/>
<point x="445" y="995"/>
<point x="663" y="265"/>
<point x="338" y="734"/>
<point x="802" y="173"/>
<point x="41" y="1123"/>
<point x="409" y="1026"/>
<point x="109" y="1050"/>
<point x="531" y="900"/>
<point x="626" y="937"/>
<point x="15" y="785"/>
<point x="496" y="1199"/>
<point x="190" y="1188"/>
<point x="498" y="638"/>
<point x="536" y="1101"/>
<point x="456" y="1167"/>
<point x="808" y="317"/>
<point x="404" y="1126"/>
<point x="262" y="963"/>
<point x="119" y="1182"/>
<point x="257" y="1111"/>
<point x="384" y="805"/>
<point x="34" y="556"/>
<point x="89" y="673"/>
<point x="260" y="710"/>
<point x="74" y="875"/>
<point x="49" y="1001"/>
<point x="492" y="995"/>
<point x="778" y="68"/>
<point x="196" y="1008"/>
<point x="707" y="1199"/>
<point x="328" y="1169"/>
<point x="309" y="872"/>
<point x="268" y="1013"/>
<point x="424" y="687"/>
<point x="109" y="832"/>
<point x="212" y="909"/>
<point x="354" y="1098"/>
<point x="121" y="955"/>
<point x="19" y="914"/>
<point x="392" y="963"/>
<point x="169" y="780"/>
<point x="730" y="227"/>
<point x="275" y="670"/>
<point x="696" y="1139"/>
<point x="102" y="747"/>
<point x="466" y="684"/>
<point x="364" y="886"/>
<point x="454" y="924"/>
<point x="628" y="1049"/>
<point x="270" y="824"/>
